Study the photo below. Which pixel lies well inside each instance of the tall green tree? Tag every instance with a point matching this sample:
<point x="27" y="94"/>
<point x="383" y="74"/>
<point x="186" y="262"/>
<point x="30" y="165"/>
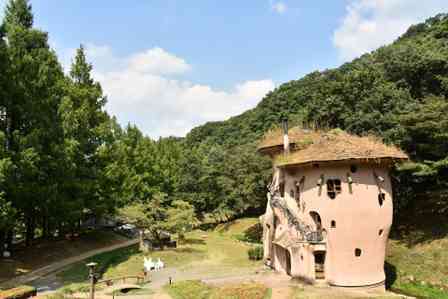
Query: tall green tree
<point x="85" y="128"/>
<point x="33" y="134"/>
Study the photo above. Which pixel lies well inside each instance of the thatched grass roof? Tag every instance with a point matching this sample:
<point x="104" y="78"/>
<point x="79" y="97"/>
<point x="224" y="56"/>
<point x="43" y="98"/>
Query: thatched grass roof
<point x="335" y="145"/>
<point x="298" y="137"/>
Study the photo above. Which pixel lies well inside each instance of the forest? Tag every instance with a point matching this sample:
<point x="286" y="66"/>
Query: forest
<point x="63" y="158"/>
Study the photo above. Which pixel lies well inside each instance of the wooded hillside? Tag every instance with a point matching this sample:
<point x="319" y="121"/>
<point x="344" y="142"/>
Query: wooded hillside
<point x="398" y="92"/>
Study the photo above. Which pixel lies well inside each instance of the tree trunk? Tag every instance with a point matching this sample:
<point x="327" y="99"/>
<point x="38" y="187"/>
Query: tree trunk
<point x="8" y="241"/>
<point x="30" y="227"/>
<point x="2" y="241"/>
<point x="45" y="231"/>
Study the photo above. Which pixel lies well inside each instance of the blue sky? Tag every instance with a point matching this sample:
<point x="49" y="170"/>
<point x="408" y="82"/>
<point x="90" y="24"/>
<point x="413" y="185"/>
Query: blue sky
<point x="168" y="65"/>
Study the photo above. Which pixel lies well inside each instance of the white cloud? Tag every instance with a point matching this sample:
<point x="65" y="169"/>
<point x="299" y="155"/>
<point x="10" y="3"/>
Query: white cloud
<point x="279" y="7"/>
<point x="141" y="90"/>
<point x="369" y="24"/>
<point x="158" y="61"/>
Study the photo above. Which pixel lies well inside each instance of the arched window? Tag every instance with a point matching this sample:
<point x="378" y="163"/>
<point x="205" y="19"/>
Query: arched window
<point x="317" y="220"/>
<point x="333" y="224"/>
<point x="358" y="252"/>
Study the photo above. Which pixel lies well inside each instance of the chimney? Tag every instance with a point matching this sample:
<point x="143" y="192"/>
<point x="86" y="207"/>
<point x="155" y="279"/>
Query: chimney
<point x="285" y="135"/>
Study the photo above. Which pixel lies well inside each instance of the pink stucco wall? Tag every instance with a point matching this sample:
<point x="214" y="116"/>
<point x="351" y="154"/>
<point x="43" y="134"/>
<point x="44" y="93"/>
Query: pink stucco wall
<point x="359" y="219"/>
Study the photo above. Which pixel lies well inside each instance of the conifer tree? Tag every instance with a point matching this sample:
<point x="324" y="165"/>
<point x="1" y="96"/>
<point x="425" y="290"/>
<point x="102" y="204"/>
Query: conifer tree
<point x="19" y="12"/>
<point x="33" y="132"/>
<point x="86" y="126"/>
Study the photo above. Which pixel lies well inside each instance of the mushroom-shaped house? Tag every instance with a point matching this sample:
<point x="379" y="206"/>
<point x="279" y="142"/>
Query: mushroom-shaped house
<point x="329" y="207"/>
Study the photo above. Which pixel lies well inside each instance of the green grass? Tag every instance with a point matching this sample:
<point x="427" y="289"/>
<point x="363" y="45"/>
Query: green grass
<point x="417" y="258"/>
<point x="194" y="289"/>
<point x="78" y="272"/>
<point x="75" y="288"/>
<point x="327" y="293"/>
<point x="236" y="227"/>
<point x="45" y="252"/>
<point x="421" y="291"/>
<point x="213" y="253"/>
<point x="189" y="289"/>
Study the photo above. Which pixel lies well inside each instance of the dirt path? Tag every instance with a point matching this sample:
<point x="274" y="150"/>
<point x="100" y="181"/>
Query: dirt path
<point x="55" y="267"/>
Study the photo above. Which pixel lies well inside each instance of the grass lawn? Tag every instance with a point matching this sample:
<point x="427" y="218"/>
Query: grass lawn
<point x="419" y="270"/>
<point x="213" y="253"/>
<point x="44" y="252"/>
<point x="193" y="289"/>
<point x="417" y="259"/>
<point x="236" y="227"/>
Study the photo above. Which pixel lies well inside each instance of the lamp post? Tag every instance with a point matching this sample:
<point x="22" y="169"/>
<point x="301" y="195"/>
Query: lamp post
<point x="92" y="277"/>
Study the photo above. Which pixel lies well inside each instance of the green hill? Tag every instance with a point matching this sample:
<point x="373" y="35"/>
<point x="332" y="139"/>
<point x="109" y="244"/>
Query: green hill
<point x="397" y="92"/>
<point x="365" y="95"/>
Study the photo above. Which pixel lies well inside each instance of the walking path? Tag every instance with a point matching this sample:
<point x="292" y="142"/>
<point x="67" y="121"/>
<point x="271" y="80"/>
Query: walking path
<point x="58" y="266"/>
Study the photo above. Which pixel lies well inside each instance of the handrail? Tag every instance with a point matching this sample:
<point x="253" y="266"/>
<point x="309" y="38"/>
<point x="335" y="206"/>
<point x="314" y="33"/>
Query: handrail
<point x="314" y="237"/>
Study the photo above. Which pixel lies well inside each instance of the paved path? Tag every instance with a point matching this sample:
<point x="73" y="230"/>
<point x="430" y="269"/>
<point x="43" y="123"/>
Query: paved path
<point x="58" y="266"/>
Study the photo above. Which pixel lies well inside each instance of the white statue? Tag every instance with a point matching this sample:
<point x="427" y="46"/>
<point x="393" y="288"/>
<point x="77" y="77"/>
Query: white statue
<point x="148" y="264"/>
<point x="159" y="265"/>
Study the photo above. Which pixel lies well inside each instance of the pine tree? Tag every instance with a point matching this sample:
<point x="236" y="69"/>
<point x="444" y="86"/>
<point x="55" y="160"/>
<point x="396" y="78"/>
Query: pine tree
<point x="33" y="132"/>
<point x="19" y="12"/>
<point x="86" y="126"/>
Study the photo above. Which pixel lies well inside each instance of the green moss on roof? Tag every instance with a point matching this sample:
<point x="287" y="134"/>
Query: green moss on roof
<point x="310" y="146"/>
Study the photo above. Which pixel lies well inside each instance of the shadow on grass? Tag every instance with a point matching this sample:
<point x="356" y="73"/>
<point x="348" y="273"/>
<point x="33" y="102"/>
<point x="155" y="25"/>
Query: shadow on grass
<point x="391" y="274"/>
<point x="192" y="241"/>
<point x="225" y="227"/>
<point x="419" y="226"/>
<point x="44" y="252"/>
<point x="183" y="250"/>
<point x="78" y="272"/>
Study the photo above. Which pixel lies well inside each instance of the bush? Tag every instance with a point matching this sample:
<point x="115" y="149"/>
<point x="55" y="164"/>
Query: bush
<point x="254" y="233"/>
<point x="20" y="292"/>
<point x="255" y="253"/>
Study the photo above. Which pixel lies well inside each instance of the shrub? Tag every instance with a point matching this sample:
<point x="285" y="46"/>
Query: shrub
<point x="20" y="292"/>
<point x="254" y="233"/>
<point x="255" y="253"/>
